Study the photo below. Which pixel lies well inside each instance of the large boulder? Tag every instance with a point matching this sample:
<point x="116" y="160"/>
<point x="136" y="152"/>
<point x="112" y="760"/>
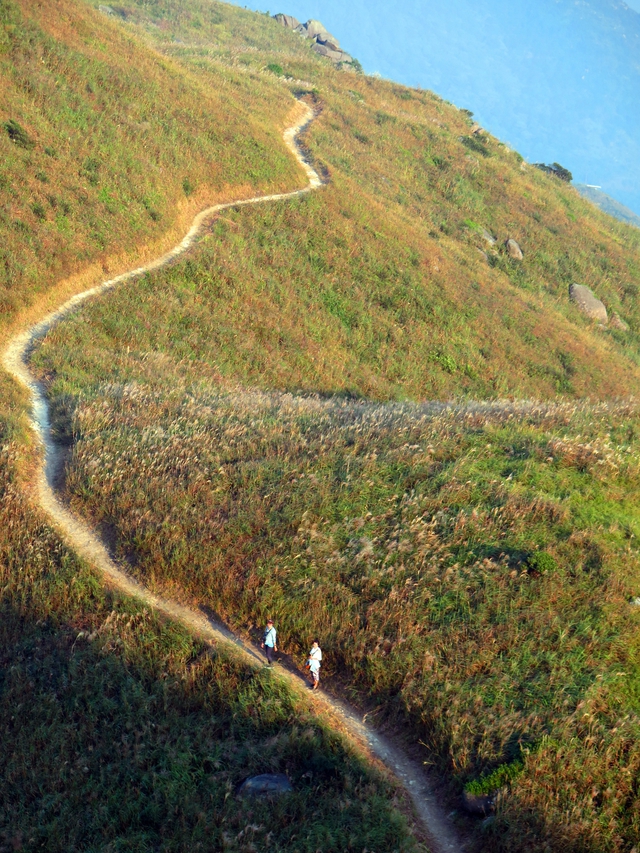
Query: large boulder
<point x="488" y="237"/>
<point x="287" y="21"/>
<point x="334" y="55"/>
<point x="329" y="41"/>
<point x="315" y="28"/>
<point x="513" y="250"/>
<point x="266" y="785"/>
<point x="587" y="302"/>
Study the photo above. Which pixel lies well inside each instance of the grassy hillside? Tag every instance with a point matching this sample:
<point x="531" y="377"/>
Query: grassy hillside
<point x="384" y="290"/>
<point x="608" y="204"/>
<point x="104" y="145"/>
<point x="469" y="571"/>
<point x="122" y="732"/>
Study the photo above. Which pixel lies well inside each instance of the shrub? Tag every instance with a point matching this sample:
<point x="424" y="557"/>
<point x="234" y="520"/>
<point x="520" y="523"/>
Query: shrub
<point x="473" y="143"/>
<point x="276" y="69"/>
<point x="91" y="170"/>
<point x="18" y="134"/>
<point x="557" y="170"/>
<point x="38" y="211"/>
<point x="188" y="187"/>
<point x="542" y="562"/>
<point x="503" y="775"/>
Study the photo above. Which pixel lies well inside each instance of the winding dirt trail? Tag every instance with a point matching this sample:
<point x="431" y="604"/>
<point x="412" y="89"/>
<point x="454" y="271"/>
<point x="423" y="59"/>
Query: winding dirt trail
<point x="86" y="542"/>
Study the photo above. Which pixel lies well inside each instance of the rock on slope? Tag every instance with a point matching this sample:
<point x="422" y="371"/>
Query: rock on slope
<point x="324" y="43"/>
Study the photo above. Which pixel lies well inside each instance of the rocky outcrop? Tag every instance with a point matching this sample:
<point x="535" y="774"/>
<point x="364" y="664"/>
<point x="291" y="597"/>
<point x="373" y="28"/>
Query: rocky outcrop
<point x="587" y="302"/>
<point x="513" y="250"/>
<point x="330" y="42"/>
<point x="324" y="44"/>
<point x="287" y="21"/>
<point x="315" y="29"/>
<point x="324" y="50"/>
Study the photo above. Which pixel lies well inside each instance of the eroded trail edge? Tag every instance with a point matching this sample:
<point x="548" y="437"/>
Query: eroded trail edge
<point x="89" y="546"/>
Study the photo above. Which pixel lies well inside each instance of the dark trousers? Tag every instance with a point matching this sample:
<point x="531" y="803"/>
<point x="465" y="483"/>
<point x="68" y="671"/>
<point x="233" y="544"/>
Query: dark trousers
<point x="268" y="650"/>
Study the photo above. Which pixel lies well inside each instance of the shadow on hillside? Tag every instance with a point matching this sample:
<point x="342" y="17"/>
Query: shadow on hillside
<point x="132" y="734"/>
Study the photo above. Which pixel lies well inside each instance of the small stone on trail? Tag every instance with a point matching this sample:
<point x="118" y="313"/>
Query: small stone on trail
<point x="587" y="302"/>
<point x="266" y="785"/>
<point x="514" y="250"/>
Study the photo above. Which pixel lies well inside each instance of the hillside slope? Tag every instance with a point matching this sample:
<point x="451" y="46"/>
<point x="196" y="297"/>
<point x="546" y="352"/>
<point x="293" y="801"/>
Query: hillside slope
<point x="121" y="730"/>
<point x="470" y="570"/>
<point x="608" y="204"/>
<point x="558" y="79"/>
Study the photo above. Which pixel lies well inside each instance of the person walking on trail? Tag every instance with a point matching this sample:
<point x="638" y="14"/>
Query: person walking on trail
<point x="269" y="642"/>
<point x="313" y="664"/>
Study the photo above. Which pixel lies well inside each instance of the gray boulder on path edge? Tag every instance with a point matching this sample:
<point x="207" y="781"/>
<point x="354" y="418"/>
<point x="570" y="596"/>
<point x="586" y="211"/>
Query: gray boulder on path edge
<point x="266" y="785"/>
<point x="587" y="302"/>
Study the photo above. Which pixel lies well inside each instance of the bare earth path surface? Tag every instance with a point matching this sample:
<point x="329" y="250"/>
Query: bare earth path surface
<point x="85" y="541"/>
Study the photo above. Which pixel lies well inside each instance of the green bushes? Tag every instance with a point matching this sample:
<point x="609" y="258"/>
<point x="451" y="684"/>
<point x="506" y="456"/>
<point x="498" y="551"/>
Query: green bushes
<point x="541" y="562"/>
<point x="18" y="135"/>
<point x="475" y="144"/>
<point x="496" y="779"/>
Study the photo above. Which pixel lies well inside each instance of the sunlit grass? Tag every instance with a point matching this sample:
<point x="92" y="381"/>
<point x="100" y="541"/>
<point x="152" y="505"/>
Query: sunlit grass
<point x="403" y="534"/>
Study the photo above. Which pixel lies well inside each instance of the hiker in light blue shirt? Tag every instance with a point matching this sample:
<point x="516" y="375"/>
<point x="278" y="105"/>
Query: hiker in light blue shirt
<point x="269" y="643"/>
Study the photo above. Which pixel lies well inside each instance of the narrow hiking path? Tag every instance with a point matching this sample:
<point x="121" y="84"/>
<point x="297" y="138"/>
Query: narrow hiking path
<point x="87" y="543"/>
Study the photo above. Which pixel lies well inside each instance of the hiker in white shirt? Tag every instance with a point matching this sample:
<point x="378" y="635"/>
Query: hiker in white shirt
<point x="313" y="663"/>
<point x="269" y="642"/>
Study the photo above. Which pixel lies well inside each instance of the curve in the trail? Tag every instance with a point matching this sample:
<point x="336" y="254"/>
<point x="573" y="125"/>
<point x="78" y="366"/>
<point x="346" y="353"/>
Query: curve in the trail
<point x="86" y="543"/>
